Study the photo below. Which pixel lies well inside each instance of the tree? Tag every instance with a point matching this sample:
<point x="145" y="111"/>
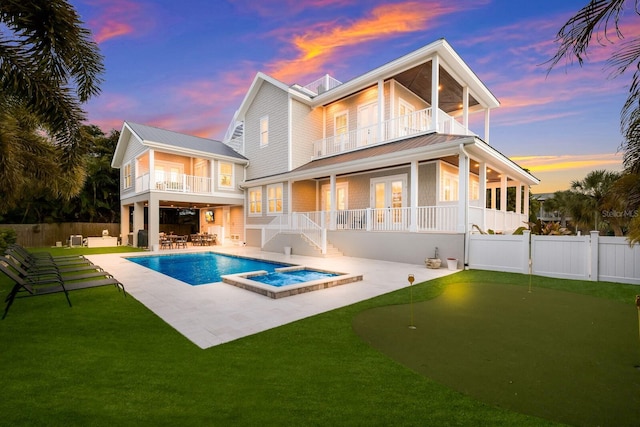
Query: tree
<point x="99" y="200"/>
<point x="49" y="66"/>
<point x="601" y="18"/>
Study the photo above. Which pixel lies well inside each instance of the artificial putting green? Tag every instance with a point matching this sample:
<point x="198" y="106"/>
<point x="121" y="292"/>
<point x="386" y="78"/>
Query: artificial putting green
<point x="553" y="354"/>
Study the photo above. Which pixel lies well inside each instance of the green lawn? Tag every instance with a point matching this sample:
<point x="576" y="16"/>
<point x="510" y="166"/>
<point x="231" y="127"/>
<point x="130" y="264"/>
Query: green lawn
<point x="110" y="361"/>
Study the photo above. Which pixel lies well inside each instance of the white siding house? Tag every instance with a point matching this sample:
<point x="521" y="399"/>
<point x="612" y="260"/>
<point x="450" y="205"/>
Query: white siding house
<point x="384" y="166"/>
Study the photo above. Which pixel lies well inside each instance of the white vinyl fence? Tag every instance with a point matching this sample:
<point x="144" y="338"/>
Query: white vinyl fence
<point x="590" y="257"/>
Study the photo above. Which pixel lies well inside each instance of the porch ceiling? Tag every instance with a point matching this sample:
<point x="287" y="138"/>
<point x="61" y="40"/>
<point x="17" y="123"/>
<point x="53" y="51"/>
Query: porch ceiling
<point x="418" y="80"/>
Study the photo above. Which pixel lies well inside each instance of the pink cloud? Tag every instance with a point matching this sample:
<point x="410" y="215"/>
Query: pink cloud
<point x="117" y="18"/>
<point x="314" y="47"/>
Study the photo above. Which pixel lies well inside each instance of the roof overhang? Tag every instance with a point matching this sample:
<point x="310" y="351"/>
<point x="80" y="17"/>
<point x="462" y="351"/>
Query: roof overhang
<point x="448" y="59"/>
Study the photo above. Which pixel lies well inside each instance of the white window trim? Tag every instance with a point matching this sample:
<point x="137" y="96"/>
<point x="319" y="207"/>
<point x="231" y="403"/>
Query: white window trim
<point x="387" y="180"/>
<point x="335" y="122"/>
<point x="339" y="185"/>
<point x="263" y="119"/>
<point x="252" y="190"/>
<point x="275" y="212"/>
<point x="220" y="175"/>
<point x="127" y="176"/>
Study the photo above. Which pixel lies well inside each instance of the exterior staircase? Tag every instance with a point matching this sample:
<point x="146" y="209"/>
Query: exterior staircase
<point x="332" y="251"/>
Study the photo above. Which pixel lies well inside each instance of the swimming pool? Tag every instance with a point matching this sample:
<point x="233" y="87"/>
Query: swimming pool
<point x="203" y="267"/>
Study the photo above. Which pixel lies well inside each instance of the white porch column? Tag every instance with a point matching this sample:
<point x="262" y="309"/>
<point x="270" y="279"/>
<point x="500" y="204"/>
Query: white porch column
<point x="152" y="170"/>
<point x="124" y="224"/>
<point x="503" y="192"/>
<point x="212" y="174"/>
<point x="332" y="202"/>
<point x="153" y="220"/>
<point x="463" y="190"/>
<point x="138" y="220"/>
<point x="465" y="108"/>
<point x="525" y="211"/>
<point x="486" y="126"/>
<point x="381" y="133"/>
<point x="435" y="87"/>
<point x="482" y="177"/>
<point x="414" y="196"/>
<point x="289" y="196"/>
<point x="518" y="197"/>
<point x="494" y="197"/>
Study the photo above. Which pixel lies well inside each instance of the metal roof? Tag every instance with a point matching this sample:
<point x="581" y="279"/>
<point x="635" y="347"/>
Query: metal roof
<point x="150" y="134"/>
<point x="380" y="150"/>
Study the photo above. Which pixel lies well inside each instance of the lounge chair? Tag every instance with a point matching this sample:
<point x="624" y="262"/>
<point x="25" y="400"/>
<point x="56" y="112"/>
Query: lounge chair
<point x="43" y="276"/>
<point x="34" y="286"/>
<point x="46" y="255"/>
<point x="33" y="264"/>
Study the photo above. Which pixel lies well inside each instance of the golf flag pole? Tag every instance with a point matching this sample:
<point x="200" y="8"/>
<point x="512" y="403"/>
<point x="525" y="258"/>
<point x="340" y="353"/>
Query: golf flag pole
<point x="411" y="279"/>
<point x="638" y="307"/>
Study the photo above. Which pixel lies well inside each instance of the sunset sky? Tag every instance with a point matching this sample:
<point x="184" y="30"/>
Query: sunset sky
<point x="186" y="65"/>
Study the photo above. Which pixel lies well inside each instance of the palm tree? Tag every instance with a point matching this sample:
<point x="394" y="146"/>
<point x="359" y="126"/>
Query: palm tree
<point x="49" y="66"/>
<point x="602" y="17"/>
<point x="594" y="197"/>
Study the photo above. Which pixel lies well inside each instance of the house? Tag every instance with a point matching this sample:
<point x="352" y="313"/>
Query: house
<point x="173" y="173"/>
<point x="384" y="166"/>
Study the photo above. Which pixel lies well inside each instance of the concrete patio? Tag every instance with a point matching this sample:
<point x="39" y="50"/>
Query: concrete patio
<point x="216" y="313"/>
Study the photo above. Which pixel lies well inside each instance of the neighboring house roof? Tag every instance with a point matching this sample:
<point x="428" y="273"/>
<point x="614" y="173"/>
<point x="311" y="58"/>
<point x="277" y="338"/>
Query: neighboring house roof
<point x="173" y="141"/>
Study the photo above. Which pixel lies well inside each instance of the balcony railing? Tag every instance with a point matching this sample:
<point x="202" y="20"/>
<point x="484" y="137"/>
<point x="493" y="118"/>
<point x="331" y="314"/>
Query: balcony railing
<point x="398" y="127"/>
<point x="179" y="183"/>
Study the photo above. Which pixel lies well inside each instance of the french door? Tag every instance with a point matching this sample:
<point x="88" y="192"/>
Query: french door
<point x="388" y="195"/>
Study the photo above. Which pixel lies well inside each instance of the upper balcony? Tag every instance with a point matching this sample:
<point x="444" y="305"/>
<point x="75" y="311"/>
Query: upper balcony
<point x="405" y="126"/>
<point x="177" y="183"/>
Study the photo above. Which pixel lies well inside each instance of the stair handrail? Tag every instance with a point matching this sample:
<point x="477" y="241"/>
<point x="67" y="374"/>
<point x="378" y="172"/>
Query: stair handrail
<point x="314" y="232"/>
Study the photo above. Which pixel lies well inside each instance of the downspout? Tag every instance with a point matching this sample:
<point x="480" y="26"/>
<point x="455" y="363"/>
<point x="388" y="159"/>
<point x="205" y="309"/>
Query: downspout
<point x="466" y="209"/>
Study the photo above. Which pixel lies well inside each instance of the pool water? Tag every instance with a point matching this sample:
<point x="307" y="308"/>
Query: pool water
<point x="291" y="277"/>
<point x="203" y="267"/>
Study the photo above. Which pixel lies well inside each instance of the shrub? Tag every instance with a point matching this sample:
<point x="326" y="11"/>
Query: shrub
<point x="7" y="237"/>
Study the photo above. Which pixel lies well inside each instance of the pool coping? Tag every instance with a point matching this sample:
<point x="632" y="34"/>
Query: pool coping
<point x="243" y="281"/>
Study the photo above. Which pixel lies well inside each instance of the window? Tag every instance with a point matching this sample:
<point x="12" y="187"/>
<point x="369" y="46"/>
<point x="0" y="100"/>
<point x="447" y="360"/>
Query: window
<point x="341" y="123"/>
<point x="264" y="131"/>
<point x="126" y="175"/>
<point x="274" y="198"/>
<point x="448" y="187"/>
<point x="255" y="201"/>
<point x="225" y="175"/>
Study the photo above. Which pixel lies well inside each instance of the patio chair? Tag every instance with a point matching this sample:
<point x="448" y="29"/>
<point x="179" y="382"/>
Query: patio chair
<point x="165" y="242"/>
<point x="181" y="241"/>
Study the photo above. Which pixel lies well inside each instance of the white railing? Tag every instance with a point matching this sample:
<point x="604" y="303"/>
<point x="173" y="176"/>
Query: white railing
<point x="504" y="222"/>
<point x="299" y="223"/>
<point x="437" y="218"/>
<point x="180" y="183"/>
<point x="324" y="83"/>
<point x="398" y="127"/>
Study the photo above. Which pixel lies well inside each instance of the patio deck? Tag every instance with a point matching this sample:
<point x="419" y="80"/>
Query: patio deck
<point x="209" y="315"/>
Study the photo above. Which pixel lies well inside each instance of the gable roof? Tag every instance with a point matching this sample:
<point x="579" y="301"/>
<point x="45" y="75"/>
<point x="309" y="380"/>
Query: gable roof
<point x="450" y="61"/>
<point x="163" y="139"/>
